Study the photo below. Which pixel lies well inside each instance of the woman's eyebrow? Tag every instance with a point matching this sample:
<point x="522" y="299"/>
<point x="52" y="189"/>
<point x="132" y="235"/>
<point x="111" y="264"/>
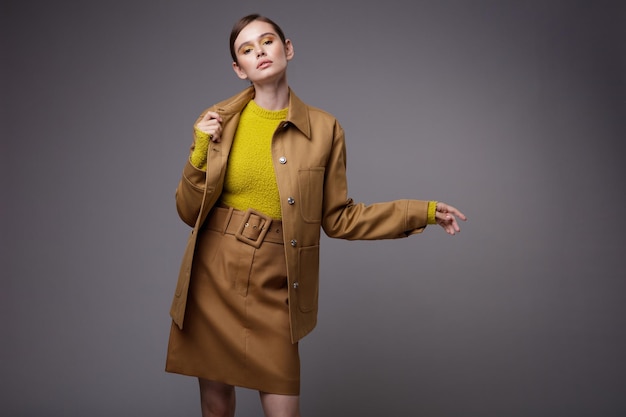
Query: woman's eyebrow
<point x="258" y="37"/>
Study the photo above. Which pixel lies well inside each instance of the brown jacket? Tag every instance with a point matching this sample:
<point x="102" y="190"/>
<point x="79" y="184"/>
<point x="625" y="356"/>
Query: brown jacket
<point x="309" y="157"/>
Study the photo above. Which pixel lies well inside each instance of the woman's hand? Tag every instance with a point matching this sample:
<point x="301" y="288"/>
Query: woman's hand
<point x="211" y="124"/>
<point x="446" y="215"/>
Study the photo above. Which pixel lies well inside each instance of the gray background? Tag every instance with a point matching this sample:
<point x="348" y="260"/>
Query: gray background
<point x="514" y="111"/>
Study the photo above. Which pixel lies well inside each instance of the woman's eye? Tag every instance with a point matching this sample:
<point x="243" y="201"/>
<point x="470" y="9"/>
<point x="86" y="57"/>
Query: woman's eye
<point x="247" y="51"/>
<point x="267" y="42"/>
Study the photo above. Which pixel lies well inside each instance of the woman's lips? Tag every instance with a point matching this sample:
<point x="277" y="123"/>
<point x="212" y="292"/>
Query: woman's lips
<point x="263" y="64"/>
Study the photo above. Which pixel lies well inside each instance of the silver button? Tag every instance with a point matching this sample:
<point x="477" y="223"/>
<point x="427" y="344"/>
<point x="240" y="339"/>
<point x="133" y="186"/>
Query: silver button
<point x="294" y="242"/>
<point x="295" y="285"/>
<point x="291" y="201"/>
<point x="282" y="160"/>
<point x="285" y="125"/>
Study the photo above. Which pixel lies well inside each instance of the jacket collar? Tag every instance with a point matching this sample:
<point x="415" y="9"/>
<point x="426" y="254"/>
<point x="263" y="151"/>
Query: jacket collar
<point x="297" y="113"/>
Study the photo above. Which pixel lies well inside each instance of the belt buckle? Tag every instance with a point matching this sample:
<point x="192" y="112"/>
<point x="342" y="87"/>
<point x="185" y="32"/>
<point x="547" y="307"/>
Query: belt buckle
<point x="253" y="228"/>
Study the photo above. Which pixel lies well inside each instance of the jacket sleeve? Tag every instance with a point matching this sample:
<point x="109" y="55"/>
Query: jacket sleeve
<point x="190" y="190"/>
<point x="345" y="219"/>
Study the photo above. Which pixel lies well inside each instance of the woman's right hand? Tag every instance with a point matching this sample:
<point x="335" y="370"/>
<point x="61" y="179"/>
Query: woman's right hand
<point x="211" y="124"/>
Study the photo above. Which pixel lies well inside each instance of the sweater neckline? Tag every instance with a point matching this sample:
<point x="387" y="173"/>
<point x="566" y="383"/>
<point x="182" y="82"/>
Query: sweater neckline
<point x="267" y="114"/>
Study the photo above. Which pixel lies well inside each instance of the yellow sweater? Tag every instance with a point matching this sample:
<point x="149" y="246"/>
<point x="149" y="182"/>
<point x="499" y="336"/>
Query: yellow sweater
<point x="250" y="179"/>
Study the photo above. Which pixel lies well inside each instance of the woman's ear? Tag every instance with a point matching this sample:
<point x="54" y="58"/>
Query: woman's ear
<point x="240" y="73"/>
<point x="288" y="49"/>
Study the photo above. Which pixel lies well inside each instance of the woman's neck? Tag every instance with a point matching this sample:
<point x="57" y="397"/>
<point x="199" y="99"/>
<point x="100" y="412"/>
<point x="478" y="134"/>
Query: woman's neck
<point x="273" y="96"/>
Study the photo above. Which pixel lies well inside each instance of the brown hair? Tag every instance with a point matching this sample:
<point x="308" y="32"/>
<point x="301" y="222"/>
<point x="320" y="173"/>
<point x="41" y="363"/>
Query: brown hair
<point x="245" y="21"/>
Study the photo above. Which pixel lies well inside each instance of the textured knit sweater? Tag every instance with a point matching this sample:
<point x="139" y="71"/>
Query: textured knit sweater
<point x="250" y="179"/>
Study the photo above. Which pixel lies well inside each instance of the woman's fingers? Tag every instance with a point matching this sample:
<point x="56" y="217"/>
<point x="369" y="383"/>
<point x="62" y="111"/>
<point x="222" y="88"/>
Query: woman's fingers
<point x="211" y="115"/>
<point x="446" y="216"/>
<point x="446" y="208"/>
<point x="211" y="124"/>
<point x="448" y="223"/>
<point x="456" y="212"/>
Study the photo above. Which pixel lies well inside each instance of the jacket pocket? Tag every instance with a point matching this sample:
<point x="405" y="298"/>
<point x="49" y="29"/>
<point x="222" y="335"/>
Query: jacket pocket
<point x="308" y="278"/>
<point x="311" y="183"/>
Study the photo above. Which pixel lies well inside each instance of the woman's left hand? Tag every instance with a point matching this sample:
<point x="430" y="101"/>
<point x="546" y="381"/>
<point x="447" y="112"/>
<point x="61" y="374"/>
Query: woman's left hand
<point x="446" y="217"/>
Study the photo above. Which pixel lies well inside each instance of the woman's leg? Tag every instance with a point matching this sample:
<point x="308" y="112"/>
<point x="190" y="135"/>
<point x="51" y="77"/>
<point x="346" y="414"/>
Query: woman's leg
<point x="275" y="405"/>
<point x="216" y="399"/>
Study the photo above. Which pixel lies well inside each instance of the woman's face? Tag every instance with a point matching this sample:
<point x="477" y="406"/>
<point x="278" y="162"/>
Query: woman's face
<point x="261" y="55"/>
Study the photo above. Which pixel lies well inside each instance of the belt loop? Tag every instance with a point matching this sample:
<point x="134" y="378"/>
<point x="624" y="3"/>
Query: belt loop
<point x="229" y="216"/>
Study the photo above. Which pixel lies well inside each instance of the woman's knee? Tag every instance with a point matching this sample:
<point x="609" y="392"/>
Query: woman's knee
<point x="275" y="405"/>
<point x="217" y="399"/>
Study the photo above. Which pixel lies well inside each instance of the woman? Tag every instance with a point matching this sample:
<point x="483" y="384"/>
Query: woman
<point x="266" y="172"/>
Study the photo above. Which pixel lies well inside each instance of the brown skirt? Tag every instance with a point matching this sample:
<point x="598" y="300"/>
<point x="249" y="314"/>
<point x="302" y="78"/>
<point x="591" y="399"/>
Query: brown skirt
<point x="236" y="327"/>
